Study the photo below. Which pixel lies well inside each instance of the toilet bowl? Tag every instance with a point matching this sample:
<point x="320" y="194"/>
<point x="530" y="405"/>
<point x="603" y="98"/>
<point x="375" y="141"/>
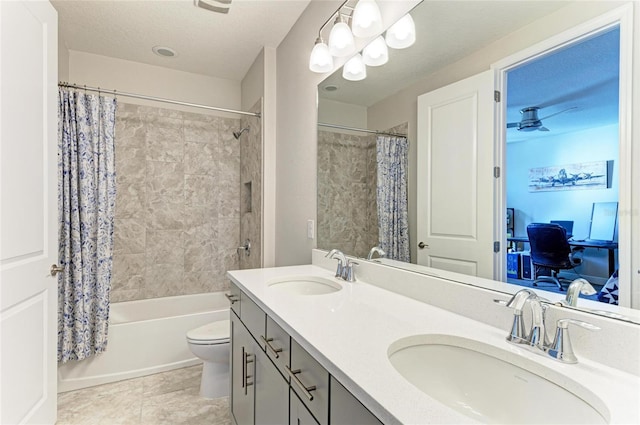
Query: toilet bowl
<point x="211" y="344"/>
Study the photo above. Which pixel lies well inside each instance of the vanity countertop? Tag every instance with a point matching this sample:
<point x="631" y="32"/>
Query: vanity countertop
<point x="349" y="332"/>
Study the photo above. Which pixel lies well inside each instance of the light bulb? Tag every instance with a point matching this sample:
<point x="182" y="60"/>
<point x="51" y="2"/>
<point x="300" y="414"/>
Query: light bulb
<point x="402" y="34"/>
<point x="341" y="41"/>
<point x="321" y="60"/>
<point x="367" y="20"/>
<point x="354" y="69"/>
<point x="376" y="52"/>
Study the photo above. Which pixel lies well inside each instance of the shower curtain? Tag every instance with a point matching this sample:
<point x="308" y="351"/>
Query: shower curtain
<point x="86" y="204"/>
<point x="393" y="225"/>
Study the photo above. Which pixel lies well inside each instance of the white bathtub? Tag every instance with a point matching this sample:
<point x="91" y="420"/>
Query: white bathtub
<point x="145" y="337"/>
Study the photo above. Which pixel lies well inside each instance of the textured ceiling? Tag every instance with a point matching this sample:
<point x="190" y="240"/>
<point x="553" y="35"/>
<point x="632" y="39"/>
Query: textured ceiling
<point x="208" y="43"/>
<point x="583" y="77"/>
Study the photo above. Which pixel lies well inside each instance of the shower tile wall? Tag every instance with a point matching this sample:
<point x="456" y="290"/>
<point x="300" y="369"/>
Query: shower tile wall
<point x="251" y="188"/>
<point x="178" y="204"/>
<point x="347" y="215"/>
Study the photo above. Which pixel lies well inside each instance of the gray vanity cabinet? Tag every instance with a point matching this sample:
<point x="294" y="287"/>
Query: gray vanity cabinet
<point x="275" y="381"/>
<point x="242" y="373"/>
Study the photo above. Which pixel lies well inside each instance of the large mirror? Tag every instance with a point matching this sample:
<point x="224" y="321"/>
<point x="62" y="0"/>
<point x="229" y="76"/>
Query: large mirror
<point x="456" y="40"/>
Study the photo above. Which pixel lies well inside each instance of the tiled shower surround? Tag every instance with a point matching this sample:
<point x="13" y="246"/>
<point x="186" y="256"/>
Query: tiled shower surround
<point x="177" y="220"/>
<point x="347" y="185"/>
<point x="347" y="215"/>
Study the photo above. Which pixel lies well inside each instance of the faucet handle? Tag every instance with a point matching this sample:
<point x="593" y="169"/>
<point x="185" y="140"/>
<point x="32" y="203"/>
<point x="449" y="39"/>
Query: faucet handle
<point x="560" y="349"/>
<point x="347" y="273"/>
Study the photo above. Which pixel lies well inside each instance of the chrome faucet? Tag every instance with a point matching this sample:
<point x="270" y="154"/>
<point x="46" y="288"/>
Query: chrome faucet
<point x="345" y="267"/>
<point x="577" y="287"/>
<point x="376" y="249"/>
<point x="560" y="349"/>
<point x="342" y="261"/>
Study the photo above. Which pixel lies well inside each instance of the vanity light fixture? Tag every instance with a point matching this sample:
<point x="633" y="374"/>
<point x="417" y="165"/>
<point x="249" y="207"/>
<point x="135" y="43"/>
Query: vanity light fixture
<point x="402" y="34"/>
<point x="367" y="20"/>
<point x="354" y="69"/>
<point x="341" y="42"/>
<point x="321" y="60"/>
<point x="376" y="52"/>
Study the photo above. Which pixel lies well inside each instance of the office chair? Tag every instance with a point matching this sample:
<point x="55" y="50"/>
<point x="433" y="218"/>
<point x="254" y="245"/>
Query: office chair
<point x="550" y="251"/>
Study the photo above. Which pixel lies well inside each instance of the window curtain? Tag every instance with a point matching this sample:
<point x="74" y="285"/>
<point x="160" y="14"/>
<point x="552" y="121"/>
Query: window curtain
<point x="393" y="225"/>
<point x="86" y="205"/>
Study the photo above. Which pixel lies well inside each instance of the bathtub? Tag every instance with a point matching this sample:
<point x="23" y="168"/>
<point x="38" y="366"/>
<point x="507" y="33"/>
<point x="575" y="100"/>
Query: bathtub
<point x="145" y="337"/>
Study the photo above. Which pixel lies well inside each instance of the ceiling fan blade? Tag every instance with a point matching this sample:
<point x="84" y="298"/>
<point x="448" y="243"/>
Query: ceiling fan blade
<point x="543" y="129"/>
<point x="596" y="88"/>
<point x="558" y="113"/>
<point x="512" y="124"/>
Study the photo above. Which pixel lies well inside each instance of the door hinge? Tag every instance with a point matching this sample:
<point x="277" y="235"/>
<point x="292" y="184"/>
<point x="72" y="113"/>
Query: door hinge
<point x="496" y="95"/>
<point x="496" y="172"/>
<point x="496" y="246"/>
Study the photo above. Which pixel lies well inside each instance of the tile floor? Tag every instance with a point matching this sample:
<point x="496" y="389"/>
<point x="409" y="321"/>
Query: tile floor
<point x="167" y="398"/>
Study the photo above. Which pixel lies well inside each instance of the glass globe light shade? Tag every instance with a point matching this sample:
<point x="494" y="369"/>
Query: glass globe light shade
<point x="354" y="69"/>
<point x="376" y="53"/>
<point x="321" y="60"/>
<point x="341" y="42"/>
<point x="402" y="34"/>
<point x="367" y="20"/>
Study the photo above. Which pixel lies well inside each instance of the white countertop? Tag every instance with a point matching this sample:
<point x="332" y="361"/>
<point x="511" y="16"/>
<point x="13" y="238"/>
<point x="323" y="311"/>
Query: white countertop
<point x="349" y="333"/>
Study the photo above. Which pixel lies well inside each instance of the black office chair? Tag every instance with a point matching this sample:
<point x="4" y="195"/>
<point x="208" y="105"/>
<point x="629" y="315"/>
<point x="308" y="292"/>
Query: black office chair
<point x="550" y="252"/>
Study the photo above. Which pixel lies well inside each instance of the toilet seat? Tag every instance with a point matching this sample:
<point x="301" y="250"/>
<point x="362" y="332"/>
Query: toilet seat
<point x="210" y="334"/>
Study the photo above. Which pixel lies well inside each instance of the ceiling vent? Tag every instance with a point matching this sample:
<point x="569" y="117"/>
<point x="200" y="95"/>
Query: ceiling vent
<point x="218" y="6"/>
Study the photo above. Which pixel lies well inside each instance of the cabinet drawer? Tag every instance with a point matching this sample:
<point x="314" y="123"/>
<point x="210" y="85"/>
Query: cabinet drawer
<point x="234" y="298"/>
<point x="253" y="318"/>
<point x="310" y="381"/>
<point x="298" y="414"/>
<point x="278" y="346"/>
<point x="346" y="409"/>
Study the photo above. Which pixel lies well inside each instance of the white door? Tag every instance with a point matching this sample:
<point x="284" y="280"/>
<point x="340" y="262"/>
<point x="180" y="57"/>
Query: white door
<point x="455" y="177"/>
<point x="28" y="211"/>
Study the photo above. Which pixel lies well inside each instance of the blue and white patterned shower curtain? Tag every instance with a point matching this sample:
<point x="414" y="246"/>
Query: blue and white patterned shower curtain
<point x="86" y="205"/>
<point x="393" y="224"/>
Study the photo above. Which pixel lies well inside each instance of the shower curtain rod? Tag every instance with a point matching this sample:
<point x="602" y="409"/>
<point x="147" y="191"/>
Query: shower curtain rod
<point x="364" y="130"/>
<point x="157" y="99"/>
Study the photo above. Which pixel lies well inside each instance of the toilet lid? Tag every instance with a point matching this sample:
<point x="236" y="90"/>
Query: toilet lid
<point x="215" y="332"/>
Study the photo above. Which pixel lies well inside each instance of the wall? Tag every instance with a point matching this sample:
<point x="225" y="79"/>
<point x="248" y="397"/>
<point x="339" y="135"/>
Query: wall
<point x="250" y="144"/>
<point x="135" y="77"/>
<point x="177" y="207"/>
<point x="586" y="146"/>
<point x="402" y="106"/>
<point x="347" y="214"/>
<point x="297" y="128"/>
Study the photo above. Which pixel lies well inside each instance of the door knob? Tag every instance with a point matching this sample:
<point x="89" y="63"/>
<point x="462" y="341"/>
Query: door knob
<point x="422" y="245"/>
<point x="55" y="269"/>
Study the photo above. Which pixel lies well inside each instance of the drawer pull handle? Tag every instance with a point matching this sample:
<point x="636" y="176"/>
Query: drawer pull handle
<point x="246" y="359"/>
<point x="306" y="390"/>
<point x="232" y="298"/>
<point x="275" y="351"/>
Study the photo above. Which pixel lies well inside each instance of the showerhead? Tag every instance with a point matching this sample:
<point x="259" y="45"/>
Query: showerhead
<point x="237" y="134"/>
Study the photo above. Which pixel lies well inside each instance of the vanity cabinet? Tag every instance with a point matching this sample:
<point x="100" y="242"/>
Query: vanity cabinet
<point x="276" y="381"/>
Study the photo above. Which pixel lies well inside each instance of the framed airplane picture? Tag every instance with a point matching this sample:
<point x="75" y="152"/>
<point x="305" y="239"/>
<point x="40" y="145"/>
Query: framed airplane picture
<point x="583" y="175"/>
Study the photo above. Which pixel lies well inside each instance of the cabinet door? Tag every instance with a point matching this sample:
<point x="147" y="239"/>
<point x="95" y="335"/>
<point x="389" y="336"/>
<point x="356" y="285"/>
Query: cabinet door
<point x="271" y="391"/>
<point x="345" y="409"/>
<point x="242" y="373"/>
<point x="298" y="413"/>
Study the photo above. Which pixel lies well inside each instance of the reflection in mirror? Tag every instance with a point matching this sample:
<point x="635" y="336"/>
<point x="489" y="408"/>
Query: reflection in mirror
<point x="386" y="102"/>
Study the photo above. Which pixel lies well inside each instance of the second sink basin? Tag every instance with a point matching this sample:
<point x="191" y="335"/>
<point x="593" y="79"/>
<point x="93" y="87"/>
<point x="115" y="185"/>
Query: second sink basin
<point x="492" y="385"/>
<point x="305" y="285"/>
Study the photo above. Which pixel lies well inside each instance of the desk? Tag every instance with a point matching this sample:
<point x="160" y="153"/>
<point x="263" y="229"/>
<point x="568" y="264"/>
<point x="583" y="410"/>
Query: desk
<point x="611" y="247"/>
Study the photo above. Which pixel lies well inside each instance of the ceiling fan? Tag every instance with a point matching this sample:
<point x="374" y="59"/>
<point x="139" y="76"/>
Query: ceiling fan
<point x="530" y="120"/>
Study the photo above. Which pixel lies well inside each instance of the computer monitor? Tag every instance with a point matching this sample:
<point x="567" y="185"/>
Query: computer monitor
<point x="567" y="224"/>
<point x="604" y="217"/>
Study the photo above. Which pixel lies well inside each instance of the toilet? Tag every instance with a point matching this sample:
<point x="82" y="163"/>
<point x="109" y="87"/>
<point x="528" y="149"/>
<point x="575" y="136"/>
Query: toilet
<point x="211" y="344"/>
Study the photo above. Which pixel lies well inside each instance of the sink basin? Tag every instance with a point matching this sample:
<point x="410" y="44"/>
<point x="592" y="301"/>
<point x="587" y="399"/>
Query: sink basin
<point x="305" y="285"/>
<point x="492" y="385"/>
